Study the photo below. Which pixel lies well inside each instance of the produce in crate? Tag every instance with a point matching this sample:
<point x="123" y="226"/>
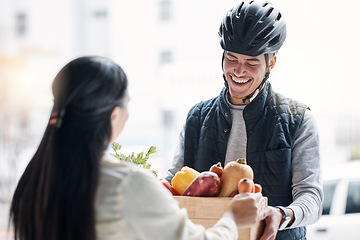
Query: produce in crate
<point x="231" y="175"/>
<point x="207" y="184"/>
<point x="258" y="188"/>
<point x="217" y="168"/>
<point x="169" y="187"/>
<point x="236" y="177"/>
<point x="246" y="185"/>
<point x="183" y="178"/>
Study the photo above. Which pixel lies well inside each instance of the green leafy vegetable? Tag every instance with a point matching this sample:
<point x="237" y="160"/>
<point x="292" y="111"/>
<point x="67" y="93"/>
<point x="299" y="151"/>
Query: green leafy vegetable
<point x="139" y="159"/>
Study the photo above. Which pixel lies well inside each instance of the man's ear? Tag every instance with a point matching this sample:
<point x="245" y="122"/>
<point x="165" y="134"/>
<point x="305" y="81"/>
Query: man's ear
<point x="272" y="62"/>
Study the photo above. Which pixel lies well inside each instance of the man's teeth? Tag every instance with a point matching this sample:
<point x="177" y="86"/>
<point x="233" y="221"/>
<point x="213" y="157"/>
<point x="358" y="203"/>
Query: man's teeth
<point x="240" y="80"/>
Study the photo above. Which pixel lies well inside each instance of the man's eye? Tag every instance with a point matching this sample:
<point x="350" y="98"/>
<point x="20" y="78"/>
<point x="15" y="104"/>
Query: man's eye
<point x="231" y="59"/>
<point x="251" y="64"/>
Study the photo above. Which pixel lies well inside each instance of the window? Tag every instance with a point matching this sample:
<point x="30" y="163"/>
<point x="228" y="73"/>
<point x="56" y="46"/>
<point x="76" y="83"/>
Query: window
<point x="20" y="24"/>
<point x="165" y="10"/>
<point x="100" y="13"/>
<point x="165" y="57"/>
<point x="167" y="118"/>
<point x="353" y="198"/>
<point x="329" y="189"/>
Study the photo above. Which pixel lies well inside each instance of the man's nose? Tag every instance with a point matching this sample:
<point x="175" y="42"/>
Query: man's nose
<point x="239" y="70"/>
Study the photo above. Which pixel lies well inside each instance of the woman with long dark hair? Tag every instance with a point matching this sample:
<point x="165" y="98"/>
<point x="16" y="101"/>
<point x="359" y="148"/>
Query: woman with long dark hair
<point x="72" y="190"/>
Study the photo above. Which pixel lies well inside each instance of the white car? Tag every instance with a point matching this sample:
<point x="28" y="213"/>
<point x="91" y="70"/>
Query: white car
<point x="341" y="208"/>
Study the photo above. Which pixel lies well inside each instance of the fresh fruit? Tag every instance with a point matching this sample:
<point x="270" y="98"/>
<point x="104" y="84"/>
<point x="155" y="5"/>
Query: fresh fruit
<point x="217" y="168"/>
<point x="183" y="178"/>
<point x="246" y="185"/>
<point x="169" y="187"/>
<point x="231" y="175"/>
<point x="257" y="188"/>
<point x="234" y="193"/>
<point x="207" y="184"/>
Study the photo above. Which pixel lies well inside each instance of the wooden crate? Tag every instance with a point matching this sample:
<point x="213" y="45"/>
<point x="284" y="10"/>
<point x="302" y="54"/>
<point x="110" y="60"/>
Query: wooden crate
<point x="208" y="210"/>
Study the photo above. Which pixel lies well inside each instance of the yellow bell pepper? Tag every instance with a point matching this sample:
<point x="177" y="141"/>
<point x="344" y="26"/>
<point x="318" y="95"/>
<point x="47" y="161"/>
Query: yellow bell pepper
<point x="183" y="178"/>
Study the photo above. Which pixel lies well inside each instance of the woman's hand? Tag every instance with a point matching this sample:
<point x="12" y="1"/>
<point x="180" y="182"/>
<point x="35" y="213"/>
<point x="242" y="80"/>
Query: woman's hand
<point x="246" y="209"/>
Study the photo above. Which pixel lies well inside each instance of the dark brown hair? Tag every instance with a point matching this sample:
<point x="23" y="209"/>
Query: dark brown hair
<point x="54" y="199"/>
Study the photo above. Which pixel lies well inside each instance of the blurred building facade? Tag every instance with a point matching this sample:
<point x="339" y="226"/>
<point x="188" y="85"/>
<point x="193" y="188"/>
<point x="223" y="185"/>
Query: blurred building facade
<point x="170" y="52"/>
<point x="154" y="41"/>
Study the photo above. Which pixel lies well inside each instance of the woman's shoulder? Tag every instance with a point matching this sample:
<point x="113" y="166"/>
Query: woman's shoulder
<point x="113" y="167"/>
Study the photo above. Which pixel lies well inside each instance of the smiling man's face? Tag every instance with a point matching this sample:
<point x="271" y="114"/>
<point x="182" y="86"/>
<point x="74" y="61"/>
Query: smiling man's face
<point x="244" y="74"/>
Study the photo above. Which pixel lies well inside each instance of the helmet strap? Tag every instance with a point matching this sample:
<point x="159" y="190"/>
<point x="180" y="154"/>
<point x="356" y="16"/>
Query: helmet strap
<point x="222" y="66"/>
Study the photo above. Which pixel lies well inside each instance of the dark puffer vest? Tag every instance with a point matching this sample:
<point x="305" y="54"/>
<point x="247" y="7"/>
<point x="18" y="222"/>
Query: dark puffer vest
<point x="272" y="122"/>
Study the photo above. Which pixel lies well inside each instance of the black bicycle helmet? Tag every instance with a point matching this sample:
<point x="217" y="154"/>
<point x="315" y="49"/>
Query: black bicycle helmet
<point x="253" y="28"/>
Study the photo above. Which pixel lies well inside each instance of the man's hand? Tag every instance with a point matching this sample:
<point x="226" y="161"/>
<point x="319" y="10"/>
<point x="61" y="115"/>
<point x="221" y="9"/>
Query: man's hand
<point x="272" y="223"/>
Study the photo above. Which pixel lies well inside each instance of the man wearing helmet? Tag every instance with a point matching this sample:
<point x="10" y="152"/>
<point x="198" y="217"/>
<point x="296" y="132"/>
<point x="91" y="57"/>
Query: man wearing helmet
<point x="248" y="119"/>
